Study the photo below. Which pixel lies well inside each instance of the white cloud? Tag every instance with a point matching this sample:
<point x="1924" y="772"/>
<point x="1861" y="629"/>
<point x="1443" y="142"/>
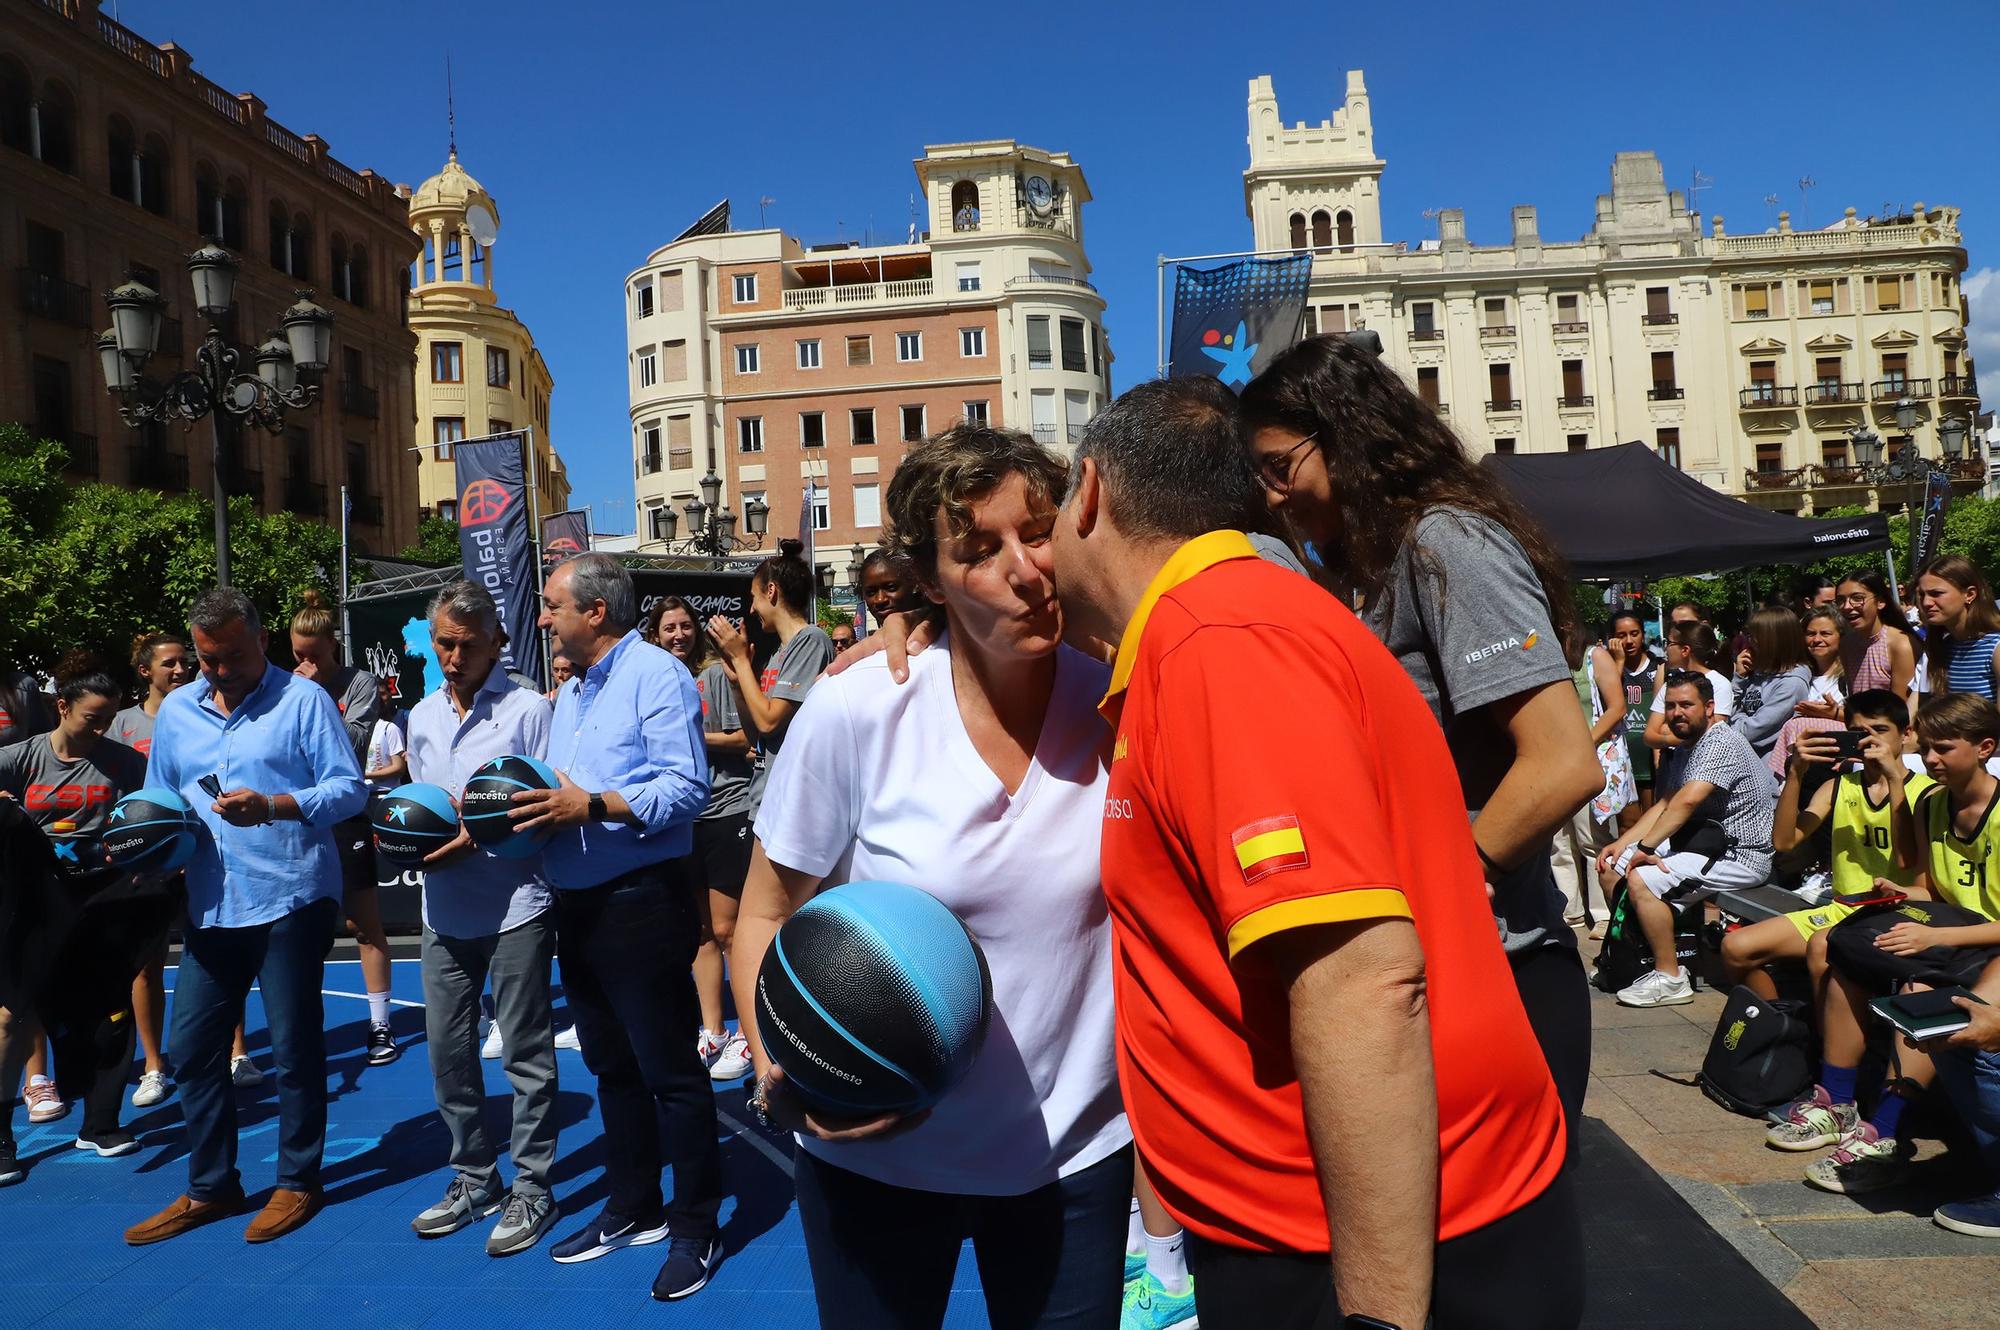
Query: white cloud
<point x="1982" y="294"/>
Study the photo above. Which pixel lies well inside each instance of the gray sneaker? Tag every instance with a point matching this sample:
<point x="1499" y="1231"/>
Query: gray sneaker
<point x="1812" y="1122"/>
<point x="461" y="1205"/>
<point x="527" y="1217"/>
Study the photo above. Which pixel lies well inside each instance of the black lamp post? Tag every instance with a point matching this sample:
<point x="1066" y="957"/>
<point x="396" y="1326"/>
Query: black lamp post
<point x="217" y="382"/>
<point x="711" y="527"/>
<point x="1909" y="468"/>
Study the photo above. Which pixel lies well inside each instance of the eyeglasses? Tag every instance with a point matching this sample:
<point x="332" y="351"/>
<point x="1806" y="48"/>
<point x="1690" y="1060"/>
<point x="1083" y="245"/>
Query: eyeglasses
<point x="1275" y="473"/>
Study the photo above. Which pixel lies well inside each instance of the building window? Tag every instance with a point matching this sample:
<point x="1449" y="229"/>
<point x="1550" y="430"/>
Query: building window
<point x="743" y="286"/>
<point x="1042" y="414"/>
<point x="747" y="496"/>
<point x="1578" y="442"/>
<point x="861" y="426"/>
<point x="746" y="358"/>
<point x="1333" y="320"/>
<point x="1888" y="294"/>
<point x="1833" y="454"/>
<point x="656" y="522"/>
<point x="649" y="368"/>
<point x="1322" y="231"/>
<point x="1819" y="297"/>
<point x="1298" y="231"/>
<point x="1076" y="413"/>
<point x="750" y="434"/>
<point x="1572" y="371"/>
<point x="975" y="413"/>
<point x="1500" y="385"/>
<point x="913" y="423"/>
<point x="1663" y="377"/>
<point x="1040" y="356"/>
<point x="1668" y="445"/>
<point x="674" y="361"/>
<point x="860" y="351"/>
<point x="1757" y="301"/>
<point x="1568" y="317"/>
<point x="1493" y="313"/>
<point x="1895" y="371"/>
<point x="680" y="443"/>
<point x="1074" y="358"/>
<point x="671" y="294"/>
<point x="1657" y="307"/>
<point x="1504" y="447"/>
<point x="1343" y="231"/>
<point x="867" y="505"/>
<point x="445" y="431"/>
<point x="649" y="449"/>
<point x="447" y="362"/>
<point x="448" y="509"/>
<point x="812" y="429"/>
<point x="968" y="277"/>
<point x="909" y="346"/>
<point x="972" y="341"/>
<point x="642" y="300"/>
<point x="965" y="206"/>
<point x="1427" y="383"/>
<point x="809" y="353"/>
<point x="498" y="367"/>
<point x="1770" y="458"/>
<point x="1311" y="322"/>
<point x="1423" y="317"/>
<point x="822" y="510"/>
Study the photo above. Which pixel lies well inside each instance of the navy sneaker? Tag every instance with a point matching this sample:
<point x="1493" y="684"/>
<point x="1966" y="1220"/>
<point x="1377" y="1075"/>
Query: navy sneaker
<point x="607" y="1233"/>
<point x="1976" y="1216"/>
<point x="690" y="1261"/>
<point x="11" y="1171"/>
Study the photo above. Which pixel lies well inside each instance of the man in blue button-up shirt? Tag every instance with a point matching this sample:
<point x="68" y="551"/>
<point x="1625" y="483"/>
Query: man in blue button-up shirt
<point x="263" y="891"/>
<point x="626" y="740"/>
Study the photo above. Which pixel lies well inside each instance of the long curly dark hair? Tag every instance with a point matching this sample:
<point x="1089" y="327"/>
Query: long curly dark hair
<point x="1391" y="460"/>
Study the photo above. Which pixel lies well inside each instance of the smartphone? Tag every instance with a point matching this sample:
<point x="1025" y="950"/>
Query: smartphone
<point x="211" y="783"/>
<point x="1847" y="744"/>
<point x="1877" y="896"/>
<point x="1926" y="1015"/>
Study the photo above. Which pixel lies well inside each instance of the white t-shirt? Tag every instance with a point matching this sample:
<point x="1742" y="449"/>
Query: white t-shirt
<point x="384" y="742"/>
<point x="1725" y="696"/>
<point x="879" y="781"/>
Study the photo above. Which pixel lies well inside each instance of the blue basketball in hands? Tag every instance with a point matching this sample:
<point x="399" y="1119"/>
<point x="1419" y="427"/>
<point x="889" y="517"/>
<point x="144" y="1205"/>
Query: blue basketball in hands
<point x="152" y="830"/>
<point x="412" y="821"/>
<point x="874" y="998"/>
<point x="489" y="796"/>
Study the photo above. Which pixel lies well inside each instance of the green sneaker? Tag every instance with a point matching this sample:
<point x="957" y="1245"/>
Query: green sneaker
<point x="1135" y="1268"/>
<point x="1862" y="1162"/>
<point x="1148" y="1306"/>
<point x="1812" y="1122"/>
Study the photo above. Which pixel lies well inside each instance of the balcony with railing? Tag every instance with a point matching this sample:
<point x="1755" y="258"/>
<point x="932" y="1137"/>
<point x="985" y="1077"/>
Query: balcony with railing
<point x="1890" y="389"/>
<point x="1575" y="401"/>
<point x="1775" y="478"/>
<point x="1497" y="330"/>
<point x="1427" y="334"/>
<point x="81" y="450"/>
<point x="1049" y="279"/>
<point x="307" y="498"/>
<point x="1767" y="397"/>
<point x="1958" y="385"/>
<point x="1665" y="392"/>
<point x="857" y="293"/>
<point x="358" y="399"/>
<point x="1659" y="320"/>
<point x="1569" y="328"/>
<point x="1495" y="406"/>
<point x="1828" y="393"/>
<point x="47" y="296"/>
<point x="1836" y="474"/>
<point x="154" y="468"/>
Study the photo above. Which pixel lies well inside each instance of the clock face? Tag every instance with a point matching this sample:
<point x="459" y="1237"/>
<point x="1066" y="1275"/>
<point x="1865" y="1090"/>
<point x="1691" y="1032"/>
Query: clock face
<point x="1040" y="195"/>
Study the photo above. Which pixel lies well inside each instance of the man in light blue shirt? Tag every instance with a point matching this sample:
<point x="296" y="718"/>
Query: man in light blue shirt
<point x="627" y="741"/>
<point x="484" y="916"/>
<point x="262" y="757"/>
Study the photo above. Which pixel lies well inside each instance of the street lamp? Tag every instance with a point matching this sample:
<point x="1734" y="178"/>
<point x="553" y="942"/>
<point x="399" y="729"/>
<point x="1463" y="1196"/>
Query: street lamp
<point x="217" y="382"/>
<point x="856" y="557"/>
<point x="1951" y="435"/>
<point x="711" y="526"/>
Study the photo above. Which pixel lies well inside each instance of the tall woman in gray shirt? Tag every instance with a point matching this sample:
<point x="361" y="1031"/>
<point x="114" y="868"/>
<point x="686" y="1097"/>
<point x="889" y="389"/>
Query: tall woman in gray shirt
<point x="1467" y="591"/>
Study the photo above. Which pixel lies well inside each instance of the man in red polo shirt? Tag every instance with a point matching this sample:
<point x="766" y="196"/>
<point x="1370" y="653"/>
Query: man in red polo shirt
<point x="1327" y="1068"/>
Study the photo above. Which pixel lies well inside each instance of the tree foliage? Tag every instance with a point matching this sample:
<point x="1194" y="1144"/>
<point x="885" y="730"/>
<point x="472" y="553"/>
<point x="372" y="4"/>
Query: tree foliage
<point x="91" y="566"/>
<point x="437" y="542"/>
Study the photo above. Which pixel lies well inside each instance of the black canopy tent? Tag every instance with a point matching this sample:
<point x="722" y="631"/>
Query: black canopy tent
<point x="1621" y="513"/>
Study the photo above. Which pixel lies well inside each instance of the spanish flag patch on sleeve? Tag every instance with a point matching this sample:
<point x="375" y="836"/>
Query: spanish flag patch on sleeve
<point x="1269" y="846"/>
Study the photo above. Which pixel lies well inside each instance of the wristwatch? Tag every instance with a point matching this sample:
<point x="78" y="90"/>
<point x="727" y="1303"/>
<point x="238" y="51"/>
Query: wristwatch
<point x="1359" y="1322"/>
<point x="598" y="812"/>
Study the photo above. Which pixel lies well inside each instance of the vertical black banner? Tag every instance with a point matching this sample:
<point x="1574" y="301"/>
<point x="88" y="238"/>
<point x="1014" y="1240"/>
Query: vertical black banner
<point x="564" y="536"/>
<point x="1928" y="529"/>
<point x="495" y="543"/>
<point x="1231" y="322"/>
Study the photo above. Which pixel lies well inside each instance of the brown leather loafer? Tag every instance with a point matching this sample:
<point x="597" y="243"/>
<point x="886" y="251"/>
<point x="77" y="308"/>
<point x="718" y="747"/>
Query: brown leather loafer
<point x="184" y="1214"/>
<point x="285" y="1211"/>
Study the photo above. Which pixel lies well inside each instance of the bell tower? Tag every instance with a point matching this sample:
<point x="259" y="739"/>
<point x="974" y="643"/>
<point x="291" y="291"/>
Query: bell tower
<point x="458" y="221"/>
<point x="1313" y="186"/>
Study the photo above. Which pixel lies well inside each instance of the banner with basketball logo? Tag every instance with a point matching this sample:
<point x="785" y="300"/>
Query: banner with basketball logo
<point x="1232" y="321"/>
<point x="495" y="542"/>
<point x="1928" y="529"/>
<point x="564" y="536"/>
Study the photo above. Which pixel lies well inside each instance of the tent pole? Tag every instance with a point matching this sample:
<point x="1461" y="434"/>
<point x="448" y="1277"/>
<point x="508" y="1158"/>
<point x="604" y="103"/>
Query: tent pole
<point x="1895" y="587"/>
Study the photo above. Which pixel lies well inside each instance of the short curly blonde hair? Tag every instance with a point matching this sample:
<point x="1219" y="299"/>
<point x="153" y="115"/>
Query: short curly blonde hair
<point x="949" y="471"/>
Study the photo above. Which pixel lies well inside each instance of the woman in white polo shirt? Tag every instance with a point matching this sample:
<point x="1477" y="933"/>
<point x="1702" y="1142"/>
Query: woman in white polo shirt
<point x="981" y="781"/>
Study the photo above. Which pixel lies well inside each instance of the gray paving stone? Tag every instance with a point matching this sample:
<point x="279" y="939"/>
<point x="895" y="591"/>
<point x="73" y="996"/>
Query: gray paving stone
<point x="1867" y="1239"/>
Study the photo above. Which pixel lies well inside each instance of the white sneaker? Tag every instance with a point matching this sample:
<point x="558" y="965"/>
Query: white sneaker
<point x="243" y="1073"/>
<point x="566" y="1038"/>
<point x="1653" y="989"/>
<point x="152" y="1089"/>
<point x="493" y="1047"/>
<point x="708" y="1046"/>
<point x="733" y="1062"/>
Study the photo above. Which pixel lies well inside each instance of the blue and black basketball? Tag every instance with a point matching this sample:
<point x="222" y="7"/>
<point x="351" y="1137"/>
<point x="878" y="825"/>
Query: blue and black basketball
<point x="152" y="830"/>
<point x="874" y="998"/>
<point x="490" y="794"/>
<point x="412" y="821"/>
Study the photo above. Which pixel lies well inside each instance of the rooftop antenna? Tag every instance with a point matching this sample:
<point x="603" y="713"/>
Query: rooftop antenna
<point x="1695" y="187"/>
<point x="1806" y="185"/>
<point x="763" y="201"/>
<point x="913" y="218"/>
<point x="450" y="109"/>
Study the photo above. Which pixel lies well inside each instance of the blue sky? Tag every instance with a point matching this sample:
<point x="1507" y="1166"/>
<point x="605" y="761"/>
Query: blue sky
<point x="604" y="128"/>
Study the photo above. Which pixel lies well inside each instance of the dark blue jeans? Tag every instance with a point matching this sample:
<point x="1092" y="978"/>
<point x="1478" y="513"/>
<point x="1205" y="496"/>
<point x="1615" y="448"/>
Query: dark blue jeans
<point x="287" y="959"/>
<point x="1973" y="1082"/>
<point x="627" y="947"/>
<point x="882" y="1257"/>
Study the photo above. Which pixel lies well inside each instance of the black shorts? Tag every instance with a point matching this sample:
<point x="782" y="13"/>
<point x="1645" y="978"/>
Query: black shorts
<point x="722" y="852"/>
<point x="355" y="840"/>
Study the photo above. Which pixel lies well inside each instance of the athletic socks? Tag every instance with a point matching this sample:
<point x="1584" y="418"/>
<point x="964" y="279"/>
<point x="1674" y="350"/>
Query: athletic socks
<point x="378" y="1008"/>
<point x="1135" y="1232"/>
<point x="1888" y="1115"/>
<point x="1166" y="1261"/>
<point x="1839" y="1082"/>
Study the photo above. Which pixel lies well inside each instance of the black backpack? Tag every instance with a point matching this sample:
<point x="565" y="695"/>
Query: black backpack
<point x="1624" y="955"/>
<point x="1760" y="1056"/>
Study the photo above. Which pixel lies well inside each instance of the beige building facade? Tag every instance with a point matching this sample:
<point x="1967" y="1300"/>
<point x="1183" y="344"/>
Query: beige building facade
<point x="770" y="363"/>
<point x="117" y="157"/>
<point x="1748" y="361"/>
<point x="477" y="369"/>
